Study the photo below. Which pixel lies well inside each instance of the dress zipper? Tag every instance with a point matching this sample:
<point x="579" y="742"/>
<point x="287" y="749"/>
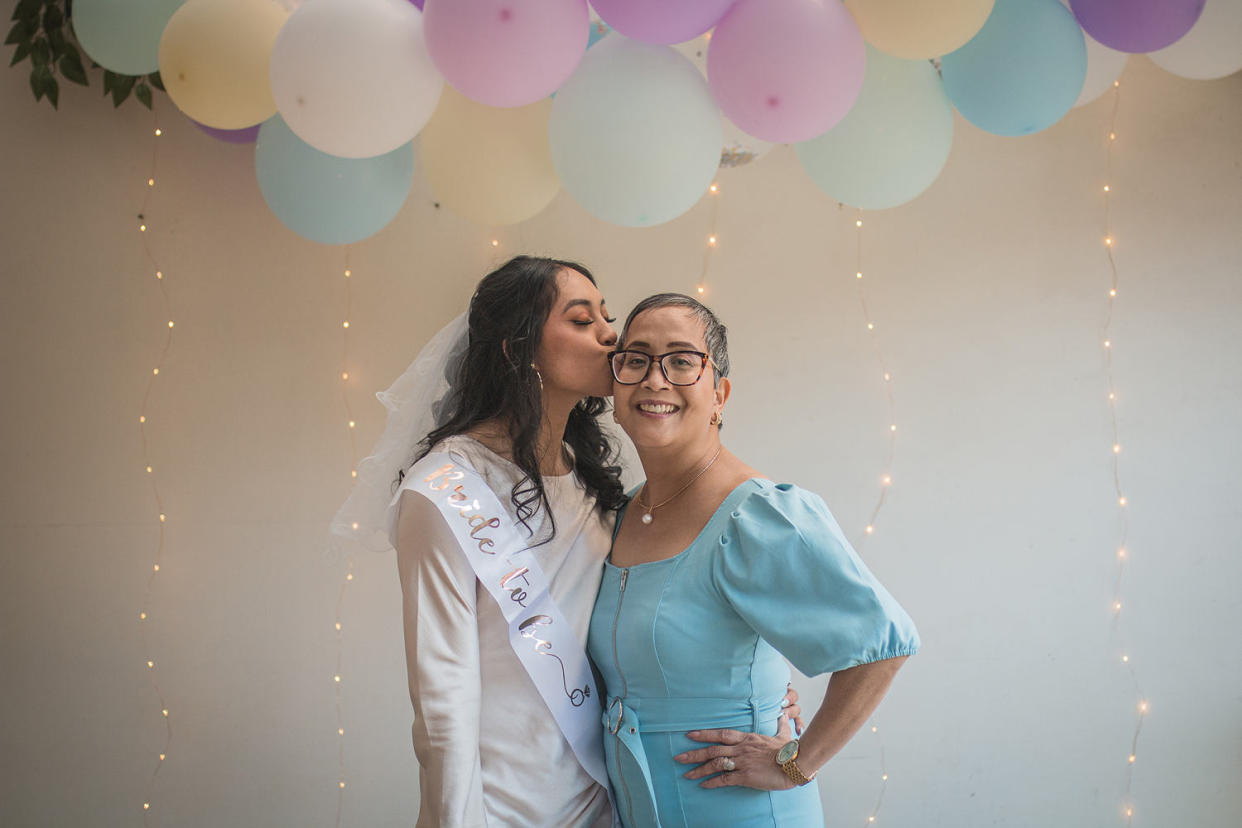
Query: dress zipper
<point x="625" y="574"/>
<point x="625" y="787"/>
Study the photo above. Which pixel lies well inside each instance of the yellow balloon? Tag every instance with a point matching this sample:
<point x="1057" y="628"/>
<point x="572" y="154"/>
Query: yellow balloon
<point x="918" y="29"/>
<point x="490" y="165"/>
<point x="214" y="57"/>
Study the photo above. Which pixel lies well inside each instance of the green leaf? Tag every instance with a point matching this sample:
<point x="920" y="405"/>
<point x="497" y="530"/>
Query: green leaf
<point x="52" y="88"/>
<point x="53" y="18"/>
<point x="20" y="53"/>
<point x="110" y="78"/>
<point x="121" y="88"/>
<point x="157" y="81"/>
<point x="19" y="33"/>
<point x="36" y="84"/>
<point x="71" y="68"/>
<point x="28" y="10"/>
<point x="143" y="93"/>
<point x="40" y="52"/>
<point x="56" y="39"/>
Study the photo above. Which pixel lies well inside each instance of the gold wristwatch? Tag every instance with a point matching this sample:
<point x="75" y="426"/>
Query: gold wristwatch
<point x="787" y="757"/>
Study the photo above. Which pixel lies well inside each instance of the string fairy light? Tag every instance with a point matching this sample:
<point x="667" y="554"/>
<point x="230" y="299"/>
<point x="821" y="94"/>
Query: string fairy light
<point x="713" y="239"/>
<point x="1122" y="558"/>
<point x="886" y="478"/>
<point x="145" y="611"/>
<point x="351" y="424"/>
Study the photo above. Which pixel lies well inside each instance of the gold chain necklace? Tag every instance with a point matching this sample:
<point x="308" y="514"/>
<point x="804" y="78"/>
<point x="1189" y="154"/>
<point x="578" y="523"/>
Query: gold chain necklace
<point x="647" y="518"/>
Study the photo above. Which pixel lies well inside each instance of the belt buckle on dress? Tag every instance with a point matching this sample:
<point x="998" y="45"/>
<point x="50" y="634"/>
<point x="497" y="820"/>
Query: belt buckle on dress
<point x="613" y="727"/>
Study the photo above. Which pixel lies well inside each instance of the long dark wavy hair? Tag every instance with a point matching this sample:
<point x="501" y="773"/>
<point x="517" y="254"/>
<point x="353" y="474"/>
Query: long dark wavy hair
<point x="496" y="381"/>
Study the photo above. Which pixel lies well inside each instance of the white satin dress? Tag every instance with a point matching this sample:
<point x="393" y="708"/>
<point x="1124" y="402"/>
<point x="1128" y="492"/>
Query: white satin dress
<point x="489" y="751"/>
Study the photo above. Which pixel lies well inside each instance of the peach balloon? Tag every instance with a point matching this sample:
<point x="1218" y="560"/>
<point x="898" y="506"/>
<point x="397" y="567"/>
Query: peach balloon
<point x="214" y="57"/>
<point x="917" y="29"/>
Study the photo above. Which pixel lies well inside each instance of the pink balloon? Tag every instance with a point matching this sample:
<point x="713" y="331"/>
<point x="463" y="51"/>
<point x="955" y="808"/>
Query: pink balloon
<point x="661" y="21"/>
<point x="786" y="70"/>
<point x="506" y="52"/>
<point x="1137" y="26"/>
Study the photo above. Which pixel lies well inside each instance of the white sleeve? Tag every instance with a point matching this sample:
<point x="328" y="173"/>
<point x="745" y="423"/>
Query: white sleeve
<point x="442" y="660"/>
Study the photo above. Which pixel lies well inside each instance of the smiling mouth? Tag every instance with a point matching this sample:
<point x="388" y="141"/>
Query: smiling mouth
<point x="658" y="408"/>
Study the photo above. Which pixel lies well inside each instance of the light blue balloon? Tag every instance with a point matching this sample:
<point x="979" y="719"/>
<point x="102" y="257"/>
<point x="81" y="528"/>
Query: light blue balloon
<point x="1022" y="72"/>
<point x="325" y="198"/>
<point x="123" y="35"/>
<point x="598" y="30"/>
<point x="894" y="141"/>
<point x="635" y="134"/>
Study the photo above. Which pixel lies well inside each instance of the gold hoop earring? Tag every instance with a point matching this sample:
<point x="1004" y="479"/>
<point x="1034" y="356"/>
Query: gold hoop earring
<point x="539" y="376"/>
<point x="717" y="419"/>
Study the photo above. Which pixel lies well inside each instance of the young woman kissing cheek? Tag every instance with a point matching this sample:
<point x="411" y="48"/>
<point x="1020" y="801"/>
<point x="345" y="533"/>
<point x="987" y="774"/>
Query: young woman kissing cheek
<point x="661" y="417"/>
<point x="572" y="358"/>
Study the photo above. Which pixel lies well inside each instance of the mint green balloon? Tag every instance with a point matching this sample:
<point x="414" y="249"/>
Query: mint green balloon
<point x="123" y="35"/>
<point x="634" y="133"/>
<point x="325" y="198"/>
<point x="894" y="141"/>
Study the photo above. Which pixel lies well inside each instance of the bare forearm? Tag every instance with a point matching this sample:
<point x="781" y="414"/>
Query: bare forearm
<point x="851" y="697"/>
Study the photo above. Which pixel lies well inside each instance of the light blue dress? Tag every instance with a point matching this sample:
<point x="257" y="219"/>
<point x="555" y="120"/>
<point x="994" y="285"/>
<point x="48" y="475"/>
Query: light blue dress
<point x="696" y="641"/>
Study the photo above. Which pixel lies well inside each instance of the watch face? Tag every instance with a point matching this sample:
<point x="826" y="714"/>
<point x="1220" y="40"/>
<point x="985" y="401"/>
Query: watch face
<point x="787" y="752"/>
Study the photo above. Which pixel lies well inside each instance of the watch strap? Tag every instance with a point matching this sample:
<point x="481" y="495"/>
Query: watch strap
<point x="795" y="773"/>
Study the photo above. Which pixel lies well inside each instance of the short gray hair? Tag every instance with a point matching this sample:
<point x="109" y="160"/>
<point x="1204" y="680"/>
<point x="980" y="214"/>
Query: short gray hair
<point x="714" y="332"/>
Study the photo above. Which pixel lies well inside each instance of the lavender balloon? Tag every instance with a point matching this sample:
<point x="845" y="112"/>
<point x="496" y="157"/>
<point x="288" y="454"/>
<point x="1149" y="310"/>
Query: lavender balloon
<point x="246" y="135"/>
<point x="1137" y="25"/>
<point x="661" y="21"/>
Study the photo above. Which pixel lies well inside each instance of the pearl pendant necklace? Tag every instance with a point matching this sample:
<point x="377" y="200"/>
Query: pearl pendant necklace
<point x="648" y="517"/>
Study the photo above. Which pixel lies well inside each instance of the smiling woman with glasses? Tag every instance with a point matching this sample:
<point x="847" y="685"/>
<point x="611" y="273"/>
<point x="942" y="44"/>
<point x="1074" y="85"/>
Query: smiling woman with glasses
<point x="716" y="578"/>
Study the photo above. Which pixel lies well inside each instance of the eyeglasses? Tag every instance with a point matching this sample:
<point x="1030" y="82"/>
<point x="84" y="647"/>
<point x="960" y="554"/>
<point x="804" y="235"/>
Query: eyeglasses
<point x="678" y="367"/>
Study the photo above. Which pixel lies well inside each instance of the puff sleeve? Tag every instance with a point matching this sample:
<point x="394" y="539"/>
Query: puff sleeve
<point x="788" y="571"/>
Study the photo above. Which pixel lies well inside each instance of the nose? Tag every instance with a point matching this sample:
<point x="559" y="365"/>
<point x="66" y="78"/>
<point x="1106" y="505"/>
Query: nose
<point x="655" y="379"/>
<point x="609" y="337"/>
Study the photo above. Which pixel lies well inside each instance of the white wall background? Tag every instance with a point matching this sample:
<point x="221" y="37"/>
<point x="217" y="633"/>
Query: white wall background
<point x="999" y="533"/>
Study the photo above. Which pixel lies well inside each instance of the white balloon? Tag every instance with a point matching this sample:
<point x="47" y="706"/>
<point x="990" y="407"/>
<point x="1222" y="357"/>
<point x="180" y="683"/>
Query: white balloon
<point x="739" y="148"/>
<point x="1104" y="65"/>
<point x="353" y="78"/>
<point x="1211" y="49"/>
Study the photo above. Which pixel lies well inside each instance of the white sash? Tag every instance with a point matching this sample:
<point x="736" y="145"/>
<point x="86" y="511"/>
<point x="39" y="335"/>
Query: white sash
<point x="544" y="641"/>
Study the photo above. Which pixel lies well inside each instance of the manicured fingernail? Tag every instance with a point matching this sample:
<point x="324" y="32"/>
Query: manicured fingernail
<point x="692" y="734"/>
